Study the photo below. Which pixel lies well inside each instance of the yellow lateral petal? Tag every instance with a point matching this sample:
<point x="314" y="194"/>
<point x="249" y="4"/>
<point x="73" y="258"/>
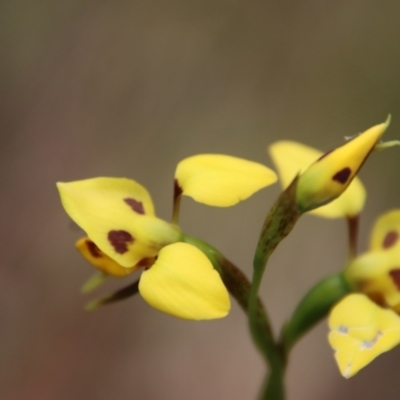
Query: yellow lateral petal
<point x="377" y="274"/>
<point x="331" y="174"/>
<point x="220" y="180"/>
<point x="183" y="283"/>
<point x="101" y="261"/>
<point x="386" y="231"/>
<point x="118" y="215"/>
<point x="360" y="332"/>
<point x="292" y="158"/>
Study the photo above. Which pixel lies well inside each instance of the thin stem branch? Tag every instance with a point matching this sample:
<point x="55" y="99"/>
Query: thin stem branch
<point x="352" y="227"/>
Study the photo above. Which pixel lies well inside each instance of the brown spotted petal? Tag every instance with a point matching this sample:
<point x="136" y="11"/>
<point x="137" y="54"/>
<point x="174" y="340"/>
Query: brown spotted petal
<point x="292" y="158"/>
<point x="118" y="216"/>
<point x="329" y="176"/>
<point x="101" y="261"/>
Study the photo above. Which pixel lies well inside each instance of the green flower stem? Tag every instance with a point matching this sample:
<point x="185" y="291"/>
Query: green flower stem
<point x="278" y="224"/>
<point x="314" y="306"/>
<point x="274" y="388"/>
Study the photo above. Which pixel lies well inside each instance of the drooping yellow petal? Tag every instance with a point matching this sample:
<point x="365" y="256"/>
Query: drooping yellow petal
<point x="101" y="261"/>
<point x="220" y="180"/>
<point x="292" y="158"/>
<point x="183" y="283"/>
<point x="118" y="215"/>
<point x="360" y="332"/>
<point x="377" y="274"/>
<point x="386" y="231"/>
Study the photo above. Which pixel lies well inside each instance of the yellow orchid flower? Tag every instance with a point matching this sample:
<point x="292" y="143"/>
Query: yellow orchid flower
<point x="324" y="177"/>
<point x="365" y="325"/>
<point x="125" y="235"/>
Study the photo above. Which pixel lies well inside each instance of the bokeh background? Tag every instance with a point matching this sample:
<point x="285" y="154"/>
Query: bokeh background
<point x="128" y="88"/>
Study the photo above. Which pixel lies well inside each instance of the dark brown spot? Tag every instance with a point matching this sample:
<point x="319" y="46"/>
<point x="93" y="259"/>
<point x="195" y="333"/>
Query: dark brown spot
<point x="390" y="239"/>
<point x="136" y="206"/>
<point x="120" y="240"/>
<point x="377" y="298"/>
<point x="342" y="176"/>
<point x="395" y="275"/>
<point x="93" y="249"/>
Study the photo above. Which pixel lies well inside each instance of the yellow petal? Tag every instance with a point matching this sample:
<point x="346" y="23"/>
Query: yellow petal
<point x="386" y="231"/>
<point x="101" y="261"/>
<point x="360" y="332"/>
<point x="183" y="283"/>
<point x="118" y="215"/>
<point x="377" y="274"/>
<point x="292" y="158"/>
<point x="220" y="180"/>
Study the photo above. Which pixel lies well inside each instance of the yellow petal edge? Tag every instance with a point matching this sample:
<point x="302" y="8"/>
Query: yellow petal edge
<point x="221" y="180"/>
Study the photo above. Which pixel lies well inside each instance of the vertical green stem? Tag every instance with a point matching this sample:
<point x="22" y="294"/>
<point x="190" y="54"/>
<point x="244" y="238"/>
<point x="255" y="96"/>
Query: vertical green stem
<point x="278" y="224"/>
<point x="274" y="388"/>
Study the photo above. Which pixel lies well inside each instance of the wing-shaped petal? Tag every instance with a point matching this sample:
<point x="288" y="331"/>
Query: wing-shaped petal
<point x="386" y="231"/>
<point x="118" y="215"/>
<point x="360" y="332"/>
<point x="292" y="158"/>
<point x="183" y="283"/>
<point x="220" y="180"/>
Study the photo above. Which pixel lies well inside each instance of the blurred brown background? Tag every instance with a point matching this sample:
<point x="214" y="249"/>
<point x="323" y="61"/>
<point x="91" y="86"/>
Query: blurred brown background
<point x="128" y="88"/>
